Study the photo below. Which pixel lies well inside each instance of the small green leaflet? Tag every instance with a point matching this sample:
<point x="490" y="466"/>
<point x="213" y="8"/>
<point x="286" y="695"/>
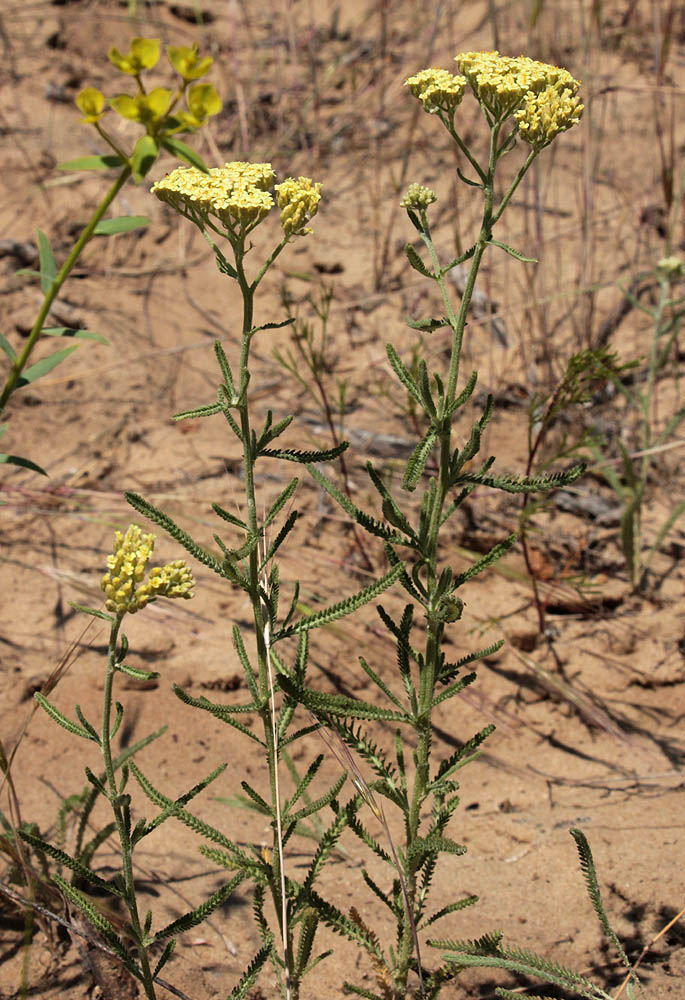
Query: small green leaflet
<point x="92" y="163"/>
<point x="122" y="224"/>
<point x="512" y="252"/>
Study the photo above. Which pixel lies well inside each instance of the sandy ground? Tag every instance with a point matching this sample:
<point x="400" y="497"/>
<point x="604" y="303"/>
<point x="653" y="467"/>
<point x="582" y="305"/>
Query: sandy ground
<point x="590" y="720"/>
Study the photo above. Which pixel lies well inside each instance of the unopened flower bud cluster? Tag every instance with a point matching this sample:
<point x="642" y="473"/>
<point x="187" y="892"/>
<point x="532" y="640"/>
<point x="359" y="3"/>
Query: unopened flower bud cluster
<point x="418" y="197"/>
<point x="298" y="201"/>
<point x="124" y="584"/>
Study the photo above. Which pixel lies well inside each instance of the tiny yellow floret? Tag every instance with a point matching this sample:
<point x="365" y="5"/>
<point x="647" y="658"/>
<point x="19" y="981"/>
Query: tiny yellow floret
<point x="671" y="267"/>
<point x="187" y="63"/>
<point x="418" y="197"/>
<point x="143" y="54"/>
<point x="298" y="200"/>
<point x="437" y="89"/>
<point x="123" y="583"/>
<point x="92" y="105"/>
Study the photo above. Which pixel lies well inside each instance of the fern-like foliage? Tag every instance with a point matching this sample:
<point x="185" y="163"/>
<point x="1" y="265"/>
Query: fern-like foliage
<point x="201" y="912"/>
<point x="305" y="457"/>
<point x="488" y="953"/>
<point x="525" y="484"/>
<point x="99" y="921"/>
<point x="172" y="808"/>
<point x="370" y="524"/>
<point x="587" y="867"/>
<point x="73" y="864"/>
<point x="178" y="534"/>
<point x="249" y="977"/>
<point x="342" y="608"/>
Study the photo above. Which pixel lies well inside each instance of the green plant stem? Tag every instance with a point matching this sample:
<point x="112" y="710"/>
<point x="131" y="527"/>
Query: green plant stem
<point x="435" y="625"/>
<point x="20" y="363"/>
<point x="434" y="621"/>
<point x="123" y="826"/>
<point x="265" y="712"/>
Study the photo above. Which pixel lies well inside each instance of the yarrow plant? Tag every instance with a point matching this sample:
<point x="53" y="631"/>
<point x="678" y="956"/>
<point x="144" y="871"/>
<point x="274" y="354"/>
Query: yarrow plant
<point x="128" y="586"/>
<point x="162" y="118"/>
<point x="520" y="99"/>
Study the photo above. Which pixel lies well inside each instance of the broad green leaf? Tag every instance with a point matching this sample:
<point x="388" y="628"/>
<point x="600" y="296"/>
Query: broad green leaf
<point x="26" y="463"/>
<point x="72" y="333"/>
<point x="43" y="367"/>
<point x="183" y="152"/>
<point x="93" y="163"/>
<point x="7" y="348"/>
<point x="144" y="155"/>
<point x="48" y="267"/>
<point x="123" y="224"/>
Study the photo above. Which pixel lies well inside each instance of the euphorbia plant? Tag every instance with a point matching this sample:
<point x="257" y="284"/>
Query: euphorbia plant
<point x="161" y="117"/>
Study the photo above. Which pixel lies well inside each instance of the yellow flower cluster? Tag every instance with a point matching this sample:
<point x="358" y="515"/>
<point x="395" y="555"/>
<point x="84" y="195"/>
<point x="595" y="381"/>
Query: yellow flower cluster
<point x="418" y="197"/>
<point x="298" y="201"/>
<point x="123" y="584"/>
<point x="505" y="85"/>
<point x="151" y="108"/>
<point x="437" y="89"/>
<point x="236" y="193"/>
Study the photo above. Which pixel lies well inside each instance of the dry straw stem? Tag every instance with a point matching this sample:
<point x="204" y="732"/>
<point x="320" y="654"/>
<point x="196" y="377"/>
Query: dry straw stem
<point x="645" y="950"/>
<point x="94" y="942"/>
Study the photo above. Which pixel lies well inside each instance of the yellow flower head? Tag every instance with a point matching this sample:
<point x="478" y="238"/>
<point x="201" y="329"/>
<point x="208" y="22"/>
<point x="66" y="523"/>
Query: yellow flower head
<point x="503" y="84"/>
<point x="546" y="114"/>
<point x="147" y="109"/>
<point x="143" y="54"/>
<point x="418" y="197"/>
<point x="124" y="582"/>
<point x="203" y="102"/>
<point x="671" y="267"/>
<point x="187" y="63"/>
<point x="237" y="194"/>
<point x="298" y="201"/>
<point x="92" y="105"/>
<point x="437" y="89"/>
